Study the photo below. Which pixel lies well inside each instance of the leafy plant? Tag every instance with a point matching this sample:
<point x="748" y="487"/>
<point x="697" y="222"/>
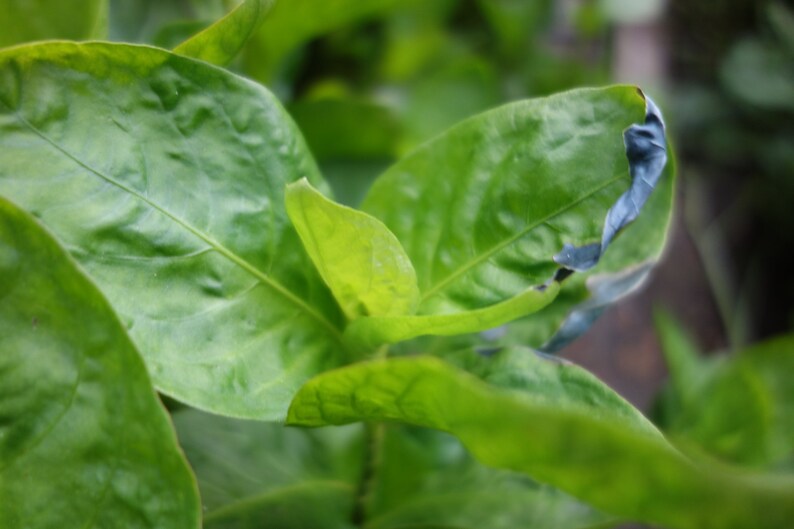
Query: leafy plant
<point x="168" y="208"/>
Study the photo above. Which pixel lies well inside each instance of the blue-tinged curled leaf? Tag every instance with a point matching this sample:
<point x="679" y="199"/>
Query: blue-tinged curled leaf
<point x="484" y="209"/>
<point x="646" y="150"/>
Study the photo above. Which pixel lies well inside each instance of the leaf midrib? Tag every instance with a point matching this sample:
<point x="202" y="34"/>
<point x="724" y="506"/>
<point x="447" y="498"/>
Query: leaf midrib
<point x="220" y="248"/>
<point x="477" y="260"/>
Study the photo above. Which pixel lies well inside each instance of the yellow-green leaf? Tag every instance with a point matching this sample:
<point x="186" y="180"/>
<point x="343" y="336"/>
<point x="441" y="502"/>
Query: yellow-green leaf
<point x="357" y="256"/>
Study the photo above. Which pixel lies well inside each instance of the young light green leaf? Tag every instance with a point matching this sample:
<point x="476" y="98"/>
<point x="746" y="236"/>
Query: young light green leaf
<point x="618" y="469"/>
<point x="223" y="40"/>
<point x="426" y="478"/>
<point x="357" y="256"/>
<point x="84" y="442"/>
<point x="26" y="20"/>
<point x="501" y="194"/>
<point x="263" y="476"/>
<point x="370" y="332"/>
<point x="165" y="178"/>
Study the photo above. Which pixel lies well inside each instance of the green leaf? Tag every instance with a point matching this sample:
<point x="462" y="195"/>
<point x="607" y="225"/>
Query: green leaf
<point x="739" y="407"/>
<point x="459" y="88"/>
<point x="143" y="20"/>
<point x="426" y="478"/>
<point x="345" y="128"/>
<point x="599" y="458"/>
<point x="223" y="40"/>
<point x="622" y="269"/>
<point x="29" y="20"/>
<point x="294" y="22"/>
<point x="165" y="178"/>
<point x="552" y="380"/>
<point x="262" y="475"/>
<point x="357" y="256"/>
<point x="687" y="369"/>
<point x="515" y="22"/>
<point x="482" y="209"/>
<point x="84" y="442"/>
<point x="369" y="332"/>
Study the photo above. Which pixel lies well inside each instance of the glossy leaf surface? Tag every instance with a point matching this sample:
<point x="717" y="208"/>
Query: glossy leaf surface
<point x="623" y="269"/>
<point x="28" y="20"/>
<point x="357" y="256"/>
<point x="165" y="178"/>
<point x="493" y="199"/>
<point x="603" y="461"/>
<point x="426" y="478"/>
<point x="223" y="40"/>
<point x="84" y="441"/>
<point x="369" y="332"/>
<point x="261" y="475"/>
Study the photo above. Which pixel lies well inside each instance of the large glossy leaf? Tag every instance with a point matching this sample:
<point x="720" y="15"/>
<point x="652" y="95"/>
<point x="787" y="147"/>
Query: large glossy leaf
<point x="29" y="20"/>
<point x="738" y="407"/>
<point x="165" y="178"/>
<point x="598" y="457"/>
<point x="483" y="208"/>
<point x="426" y="478"/>
<point x="84" y="442"/>
<point x="500" y="195"/>
<point x="223" y="40"/>
<point x="296" y="21"/>
<point x="357" y="256"/>
<point x="262" y="475"/>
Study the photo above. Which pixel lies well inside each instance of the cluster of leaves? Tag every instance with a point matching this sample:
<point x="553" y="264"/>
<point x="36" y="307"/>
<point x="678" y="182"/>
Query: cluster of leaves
<point x="170" y="229"/>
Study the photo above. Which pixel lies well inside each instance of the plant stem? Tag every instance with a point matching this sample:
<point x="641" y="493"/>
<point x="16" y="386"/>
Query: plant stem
<point x="373" y="452"/>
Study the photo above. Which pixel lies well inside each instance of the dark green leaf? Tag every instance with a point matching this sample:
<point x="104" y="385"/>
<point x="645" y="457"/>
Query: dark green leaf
<point x="345" y="129"/>
<point x="223" y="40"/>
<point x="165" y="178"/>
<point x="261" y="476"/>
<point x="294" y="22"/>
<point x="425" y="478"/>
<point x="29" y="20"/>
<point x="84" y="442"/>
<point x="602" y="459"/>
